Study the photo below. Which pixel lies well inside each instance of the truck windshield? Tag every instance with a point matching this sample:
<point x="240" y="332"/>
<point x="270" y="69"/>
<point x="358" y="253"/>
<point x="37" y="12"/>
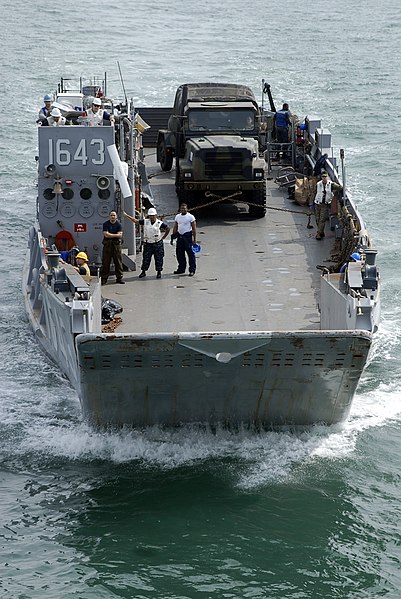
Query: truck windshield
<point x="221" y="120"/>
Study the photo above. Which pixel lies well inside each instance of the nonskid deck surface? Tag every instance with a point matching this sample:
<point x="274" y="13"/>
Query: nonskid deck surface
<point x="252" y="274"/>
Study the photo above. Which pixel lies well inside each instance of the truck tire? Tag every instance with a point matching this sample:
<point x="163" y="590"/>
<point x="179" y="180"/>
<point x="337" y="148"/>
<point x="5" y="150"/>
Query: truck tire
<point x="166" y="158"/>
<point x="257" y="209"/>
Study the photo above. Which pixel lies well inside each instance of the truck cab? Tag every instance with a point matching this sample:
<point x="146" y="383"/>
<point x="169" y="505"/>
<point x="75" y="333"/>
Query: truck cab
<point x="213" y="134"/>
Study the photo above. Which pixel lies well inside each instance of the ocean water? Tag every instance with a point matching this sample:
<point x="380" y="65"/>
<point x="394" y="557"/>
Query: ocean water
<point x="194" y="514"/>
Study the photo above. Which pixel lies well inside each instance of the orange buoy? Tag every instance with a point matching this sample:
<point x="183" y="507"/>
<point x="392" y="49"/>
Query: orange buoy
<point x="64" y="241"/>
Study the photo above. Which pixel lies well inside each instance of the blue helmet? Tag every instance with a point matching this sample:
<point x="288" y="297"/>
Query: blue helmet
<point x="196" y="248"/>
<point x="47" y="98"/>
<point x="355" y="256"/>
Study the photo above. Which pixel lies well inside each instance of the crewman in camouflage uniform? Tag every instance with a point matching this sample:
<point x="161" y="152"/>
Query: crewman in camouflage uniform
<point x="112" y="236"/>
<point x="323" y="198"/>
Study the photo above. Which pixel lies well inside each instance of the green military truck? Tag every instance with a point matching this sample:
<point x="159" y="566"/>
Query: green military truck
<point x="213" y="134"/>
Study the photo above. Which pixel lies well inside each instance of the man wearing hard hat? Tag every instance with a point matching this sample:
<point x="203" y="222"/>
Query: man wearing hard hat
<point x="82" y="264"/>
<point x="44" y="112"/>
<point x="56" y="119"/>
<point x="154" y="232"/>
<point x="96" y="114"/>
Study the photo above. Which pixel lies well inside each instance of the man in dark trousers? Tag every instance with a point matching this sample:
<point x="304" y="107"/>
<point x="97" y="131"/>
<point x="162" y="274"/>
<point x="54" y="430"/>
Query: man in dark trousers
<point x="184" y="231"/>
<point x="282" y="121"/>
<point x="112" y="236"/>
<point x="155" y="232"/>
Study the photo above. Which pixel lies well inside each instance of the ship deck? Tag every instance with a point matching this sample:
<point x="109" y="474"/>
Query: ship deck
<point x="252" y="274"/>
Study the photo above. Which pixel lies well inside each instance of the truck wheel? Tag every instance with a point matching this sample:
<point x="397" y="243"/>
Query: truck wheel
<point x="166" y="158"/>
<point x="258" y="201"/>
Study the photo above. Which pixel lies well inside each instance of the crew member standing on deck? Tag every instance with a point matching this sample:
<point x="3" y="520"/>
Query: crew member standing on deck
<point x="112" y="238"/>
<point x="56" y="119"/>
<point x="282" y="121"/>
<point x="44" y="112"/>
<point x="185" y="231"/>
<point x="96" y="114"/>
<point x="323" y="198"/>
<point x="154" y="233"/>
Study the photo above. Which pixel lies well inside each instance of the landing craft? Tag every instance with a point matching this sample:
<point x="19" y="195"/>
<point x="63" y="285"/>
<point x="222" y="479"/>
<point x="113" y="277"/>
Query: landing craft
<point x="276" y="326"/>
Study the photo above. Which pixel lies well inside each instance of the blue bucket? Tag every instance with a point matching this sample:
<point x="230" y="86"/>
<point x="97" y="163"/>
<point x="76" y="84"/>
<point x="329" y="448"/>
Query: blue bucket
<point x="196" y="248"/>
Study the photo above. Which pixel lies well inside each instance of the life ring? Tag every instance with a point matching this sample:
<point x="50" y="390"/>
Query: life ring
<point x="64" y="241"/>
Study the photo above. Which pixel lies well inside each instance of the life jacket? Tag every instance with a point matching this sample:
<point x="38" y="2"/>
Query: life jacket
<point x="282" y="119"/>
<point x="95" y="118"/>
<point x="319" y="193"/>
<point x="86" y="268"/>
<point x="45" y="112"/>
<point x="52" y="123"/>
<point x="151" y="232"/>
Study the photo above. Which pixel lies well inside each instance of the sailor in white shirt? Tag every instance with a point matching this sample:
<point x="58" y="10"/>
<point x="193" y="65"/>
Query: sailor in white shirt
<point x="185" y="231"/>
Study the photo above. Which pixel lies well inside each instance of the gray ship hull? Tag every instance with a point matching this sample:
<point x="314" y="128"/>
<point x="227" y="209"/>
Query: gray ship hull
<point x="268" y="332"/>
<point x="259" y="379"/>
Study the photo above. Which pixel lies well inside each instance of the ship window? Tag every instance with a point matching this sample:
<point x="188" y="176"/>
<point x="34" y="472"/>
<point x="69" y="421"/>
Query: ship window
<point x="67" y="194"/>
<point x="85" y="193"/>
<point x="104" y="194"/>
<point x="48" y="194"/>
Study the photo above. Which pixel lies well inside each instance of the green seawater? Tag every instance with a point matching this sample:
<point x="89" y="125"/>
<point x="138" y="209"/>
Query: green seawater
<point x="319" y="521"/>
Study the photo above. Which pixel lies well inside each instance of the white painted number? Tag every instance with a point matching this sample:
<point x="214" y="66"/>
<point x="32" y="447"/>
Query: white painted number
<point x="100" y="151"/>
<point x="50" y="151"/>
<point x="80" y="154"/>
<point x="61" y="155"/>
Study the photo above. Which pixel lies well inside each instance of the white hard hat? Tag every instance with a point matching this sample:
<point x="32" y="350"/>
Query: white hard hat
<point x="152" y="212"/>
<point x="97" y="101"/>
<point x="55" y="112"/>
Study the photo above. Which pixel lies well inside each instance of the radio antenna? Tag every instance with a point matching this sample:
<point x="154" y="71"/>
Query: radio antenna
<point x="122" y="83"/>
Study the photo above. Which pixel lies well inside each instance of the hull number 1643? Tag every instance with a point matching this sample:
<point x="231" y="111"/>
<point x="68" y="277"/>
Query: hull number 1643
<point x="61" y="152"/>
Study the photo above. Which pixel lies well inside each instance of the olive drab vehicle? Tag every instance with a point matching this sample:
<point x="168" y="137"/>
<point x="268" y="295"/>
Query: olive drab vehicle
<point x="213" y="133"/>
